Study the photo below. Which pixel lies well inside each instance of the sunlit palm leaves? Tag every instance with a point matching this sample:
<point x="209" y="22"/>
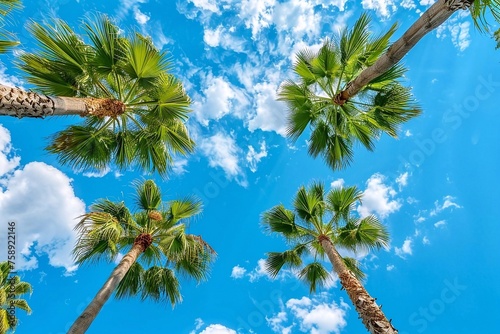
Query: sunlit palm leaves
<point x="105" y="63"/>
<point x="382" y="106"/>
<point x="318" y="214"/>
<point x="480" y="9"/>
<point x="6" y="38"/>
<point x="11" y="285"/>
<point x="110" y="229"/>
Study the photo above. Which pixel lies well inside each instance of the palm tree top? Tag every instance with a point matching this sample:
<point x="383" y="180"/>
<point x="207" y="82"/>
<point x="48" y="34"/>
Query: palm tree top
<point x="160" y="228"/>
<point x="381" y="107"/>
<point x="140" y="107"/>
<point x="317" y="214"/>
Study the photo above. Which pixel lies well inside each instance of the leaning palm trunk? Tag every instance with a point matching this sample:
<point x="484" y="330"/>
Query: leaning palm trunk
<point x="431" y="19"/>
<point x="18" y="103"/>
<point x="90" y="313"/>
<point x="370" y="313"/>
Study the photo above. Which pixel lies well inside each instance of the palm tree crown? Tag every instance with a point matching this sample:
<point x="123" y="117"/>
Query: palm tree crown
<point x="317" y="215"/>
<point x="160" y="229"/>
<point x="146" y="106"/>
<point x="10" y="289"/>
<point x="381" y="107"/>
<point x="318" y="224"/>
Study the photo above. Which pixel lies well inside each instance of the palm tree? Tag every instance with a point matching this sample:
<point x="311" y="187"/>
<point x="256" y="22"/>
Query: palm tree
<point x="156" y="245"/>
<point x="383" y="105"/>
<point x="10" y="289"/>
<point x="318" y="224"/>
<point x="432" y="18"/>
<point x="134" y="109"/>
<point x="7" y="6"/>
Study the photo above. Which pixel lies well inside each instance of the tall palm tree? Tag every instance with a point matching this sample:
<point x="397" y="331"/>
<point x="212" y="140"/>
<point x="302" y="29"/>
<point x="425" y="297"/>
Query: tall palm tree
<point x="318" y="224"/>
<point x="6" y="7"/>
<point x="432" y="18"/>
<point x="383" y="105"/>
<point x="156" y="245"/>
<point x="134" y="109"/>
<point x="11" y="287"/>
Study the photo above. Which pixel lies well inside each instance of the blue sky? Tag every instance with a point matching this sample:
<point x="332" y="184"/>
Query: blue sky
<point x="435" y="188"/>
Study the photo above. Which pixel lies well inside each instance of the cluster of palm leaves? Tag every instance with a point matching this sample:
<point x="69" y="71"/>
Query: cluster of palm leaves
<point x="348" y="92"/>
<point x="11" y="288"/>
<point x="128" y="69"/>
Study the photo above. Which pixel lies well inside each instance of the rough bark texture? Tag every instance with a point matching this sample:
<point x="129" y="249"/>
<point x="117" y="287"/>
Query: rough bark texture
<point x="18" y="103"/>
<point x="431" y="19"/>
<point x="370" y="313"/>
<point x="89" y="314"/>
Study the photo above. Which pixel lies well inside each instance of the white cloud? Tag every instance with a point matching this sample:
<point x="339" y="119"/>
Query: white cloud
<point x="337" y="183"/>
<point x="390" y="267"/>
<point x="126" y="6"/>
<point x="408" y="133"/>
<point x="257" y="14"/>
<point x="217" y="329"/>
<point x="448" y="203"/>
<point x="402" y="180"/>
<point x="139" y="16"/>
<point x="457" y="29"/>
<point x="383" y="8"/>
<point x="45" y="222"/>
<point x="40" y="200"/>
<point x="427" y="2"/>
<point x="317" y="315"/>
<point x="426" y="240"/>
<point x="179" y="166"/>
<point x="219" y="98"/>
<point x="8" y="160"/>
<point x="440" y="223"/>
<point x="198" y="323"/>
<point x="297" y="17"/>
<point x="98" y="174"/>
<point x="222" y="151"/>
<point x="270" y="113"/>
<point x="8" y="80"/>
<point x="238" y="272"/>
<point x="206" y="5"/>
<point x="405" y="248"/>
<point x="408" y="4"/>
<point x="259" y="271"/>
<point x="378" y="198"/>
<point x="253" y="157"/>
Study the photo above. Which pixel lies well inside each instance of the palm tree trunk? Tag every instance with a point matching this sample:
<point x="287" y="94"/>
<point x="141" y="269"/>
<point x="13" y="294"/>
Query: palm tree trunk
<point x="89" y="314"/>
<point x="370" y="313"/>
<point x="431" y="19"/>
<point x="18" y="103"/>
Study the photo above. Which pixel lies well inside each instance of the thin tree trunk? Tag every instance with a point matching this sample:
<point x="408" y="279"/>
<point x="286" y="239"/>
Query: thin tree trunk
<point x="18" y="103"/>
<point x="370" y="313"/>
<point x="430" y="19"/>
<point x="89" y="314"/>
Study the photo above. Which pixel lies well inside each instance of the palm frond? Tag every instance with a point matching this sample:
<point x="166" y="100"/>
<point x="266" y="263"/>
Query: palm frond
<point x="291" y="259"/>
<point x="315" y="275"/>
<point x="132" y="283"/>
<point x="161" y="284"/>
<point x="341" y="201"/>
<point x="280" y="220"/>
<point x="148" y="195"/>
<point x="365" y="233"/>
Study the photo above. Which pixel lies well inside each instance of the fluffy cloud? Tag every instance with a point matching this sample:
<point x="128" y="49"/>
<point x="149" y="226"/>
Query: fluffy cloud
<point x="179" y="166"/>
<point x="448" y="203"/>
<point x="222" y="151"/>
<point x="316" y="315"/>
<point x="402" y="180"/>
<point x="40" y="200"/>
<point x="219" y="99"/>
<point x="378" y="198"/>
<point x="337" y="183"/>
<point x="217" y="329"/>
<point x="440" y="223"/>
<point x="8" y="161"/>
<point x="405" y="248"/>
<point x="457" y="29"/>
<point x="238" y="272"/>
<point x="270" y="113"/>
<point x="383" y="8"/>
<point x="253" y="157"/>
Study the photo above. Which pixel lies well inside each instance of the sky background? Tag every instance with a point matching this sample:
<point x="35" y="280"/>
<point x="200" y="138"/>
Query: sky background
<point x="435" y="188"/>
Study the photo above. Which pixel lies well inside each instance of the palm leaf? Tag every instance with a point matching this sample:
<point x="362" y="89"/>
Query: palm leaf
<point x="161" y="284"/>
<point x="291" y="258"/>
<point x="354" y="266"/>
<point x="365" y="233"/>
<point x="315" y="275"/>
